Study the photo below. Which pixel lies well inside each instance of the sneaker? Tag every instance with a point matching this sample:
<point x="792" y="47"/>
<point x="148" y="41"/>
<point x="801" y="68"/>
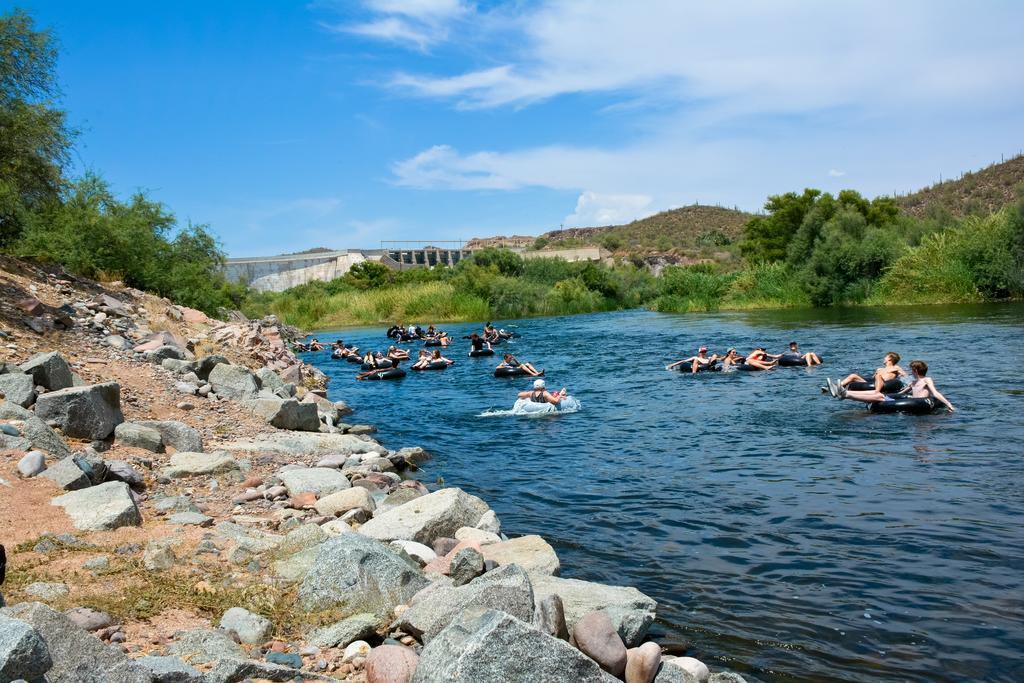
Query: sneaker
<point x="832" y="388"/>
<point x="842" y="391"/>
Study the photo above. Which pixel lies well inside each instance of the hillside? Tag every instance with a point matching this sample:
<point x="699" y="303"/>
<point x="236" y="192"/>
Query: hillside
<point x="685" y="228"/>
<point x="978" y="192"/>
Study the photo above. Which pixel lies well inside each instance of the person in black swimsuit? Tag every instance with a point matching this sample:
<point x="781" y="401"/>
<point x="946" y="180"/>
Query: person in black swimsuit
<point x="478" y="343"/>
<point x="542" y="395"/>
<point x="510" y="361"/>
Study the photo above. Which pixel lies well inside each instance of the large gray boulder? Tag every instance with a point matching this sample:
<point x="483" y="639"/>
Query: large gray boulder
<point x="89" y="412"/>
<point x="532" y="553"/>
<point x="18" y="388"/>
<point x="269" y="379"/>
<point x="161" y="353"/>
<point x="101" y="508"/>
<point x="286" y="414"/>
<point x="355" y="574"/>
<point x="307" y="443"/>
<point x="186" y="464"/>
<point x="67" y="475"/>
<point x="631" y="611"/>
<point x="138" y="436"/>
<point x="23" y="652"/>
<point x="36" y="432"/>
<point x="205" y="365"/>
<point x="319" y="480"/>
<point x="506" y="588"/>
<point x="176" y="435"/>
<point x="341" y="633"/>
<point x="49" y="370"/>
<point x="171" y="670"/>
<point x="251" y="628"/>
<point x="78" y="657"/>
<point x="435" y="515"/>
<point x="234" y="381"/>
<point x="230" y="670"/>
<point x="201" y="646"/>
<point x="495" y="647"/>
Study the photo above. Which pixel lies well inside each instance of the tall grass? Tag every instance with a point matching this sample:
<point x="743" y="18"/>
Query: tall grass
<point x="980" y="259"/>
<point x="313" y="308"/>
<point x="767" y="285"/>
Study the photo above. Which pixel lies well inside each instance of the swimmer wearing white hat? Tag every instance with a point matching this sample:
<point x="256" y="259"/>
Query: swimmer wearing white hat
<point x="541" y="395"/>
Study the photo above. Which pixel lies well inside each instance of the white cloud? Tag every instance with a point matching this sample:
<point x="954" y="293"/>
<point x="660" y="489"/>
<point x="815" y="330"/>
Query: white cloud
<point x="420" y="23"/>
<point x="836" y="173"/>
<point x="593" y="209"/>
<point x="779" y="56"/>
<point x="420" y="9"/>
<point x="395" y="30"/>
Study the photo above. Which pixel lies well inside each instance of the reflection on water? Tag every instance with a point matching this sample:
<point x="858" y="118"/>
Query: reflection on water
<point x="786" y="535"/>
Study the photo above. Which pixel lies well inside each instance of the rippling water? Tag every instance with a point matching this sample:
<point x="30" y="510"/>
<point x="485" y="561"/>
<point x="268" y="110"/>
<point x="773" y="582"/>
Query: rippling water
<point x="785" y="535"/>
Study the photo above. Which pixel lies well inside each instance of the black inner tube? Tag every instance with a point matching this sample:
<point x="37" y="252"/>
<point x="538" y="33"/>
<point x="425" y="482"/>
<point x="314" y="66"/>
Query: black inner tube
<point x="509" y="372"/>
<point x="482" y="352"/>
<point x="891" y="386"/>
<point x="794" y="360"/>
<point x="389" y="373"/>
<point x="433" y="365"/>
<point x="905" y="404"/>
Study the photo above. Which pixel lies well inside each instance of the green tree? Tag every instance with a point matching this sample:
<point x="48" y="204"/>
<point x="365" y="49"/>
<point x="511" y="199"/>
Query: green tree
<point x="34" y="137"/>
<point x="849" y="256"/>
<point x="368" y="275"/>
<point x="504" y="261"/>
<point x="766" y="238"/>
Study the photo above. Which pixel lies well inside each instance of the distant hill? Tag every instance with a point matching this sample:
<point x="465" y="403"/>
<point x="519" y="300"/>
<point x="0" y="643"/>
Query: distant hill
<point x="686" y="228"/>
<point x="513" y="241"/>
<point x="980" y="192"/>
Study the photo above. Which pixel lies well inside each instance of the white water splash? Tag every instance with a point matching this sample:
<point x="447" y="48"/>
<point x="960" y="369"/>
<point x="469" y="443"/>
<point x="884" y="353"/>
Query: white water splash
<point x="525" y="406"/>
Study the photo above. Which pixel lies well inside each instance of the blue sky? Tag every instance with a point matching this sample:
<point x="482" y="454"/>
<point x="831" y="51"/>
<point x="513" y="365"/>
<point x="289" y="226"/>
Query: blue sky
<point x="289" y="125"/>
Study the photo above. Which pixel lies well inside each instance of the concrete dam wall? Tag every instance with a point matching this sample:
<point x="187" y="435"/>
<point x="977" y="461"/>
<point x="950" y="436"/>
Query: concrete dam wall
<point x="278" y="273"/>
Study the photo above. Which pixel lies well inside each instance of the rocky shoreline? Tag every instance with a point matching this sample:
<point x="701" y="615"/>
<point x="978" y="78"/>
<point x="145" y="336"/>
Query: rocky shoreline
<point x="171" y="515"/>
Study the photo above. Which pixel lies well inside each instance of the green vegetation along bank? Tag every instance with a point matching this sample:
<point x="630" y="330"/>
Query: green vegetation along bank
<point x="808" y="249"/>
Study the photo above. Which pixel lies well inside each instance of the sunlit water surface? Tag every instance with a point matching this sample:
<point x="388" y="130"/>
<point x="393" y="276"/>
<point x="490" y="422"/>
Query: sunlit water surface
<point x="784" y="534"/>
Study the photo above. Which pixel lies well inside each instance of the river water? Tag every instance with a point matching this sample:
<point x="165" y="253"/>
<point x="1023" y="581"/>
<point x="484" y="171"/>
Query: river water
<point x="785" y="535"/>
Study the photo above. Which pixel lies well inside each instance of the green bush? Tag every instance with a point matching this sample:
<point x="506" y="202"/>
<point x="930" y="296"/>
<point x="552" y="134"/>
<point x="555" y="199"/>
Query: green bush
<point x="691" y="288"/>
<point x="572" y="296"/>
<point x="92" y="233"/>
<point x="979" y="259"/>
<point x="504" y="261"/>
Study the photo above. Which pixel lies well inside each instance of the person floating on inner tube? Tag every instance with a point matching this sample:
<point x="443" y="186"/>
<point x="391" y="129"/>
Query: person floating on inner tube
<point x="436" y="356"/>
<point x="730" y="360"/>
<point x="491" y="335"/>
<point x="375" y="369"/>
<point x="478" y="343"/>
<point x="315" y="345"/>
<point x="921" y="387"/>
<point x="542" y="395"/>
<point x="510" y="361"/>
<point x="396" y="354"/>
<point x="889" y="371"/>
<point x="759" y="358"/>
<point x="810" y="358"/>
<point x="422" y="360"/>
<point x="698" y="362"/>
